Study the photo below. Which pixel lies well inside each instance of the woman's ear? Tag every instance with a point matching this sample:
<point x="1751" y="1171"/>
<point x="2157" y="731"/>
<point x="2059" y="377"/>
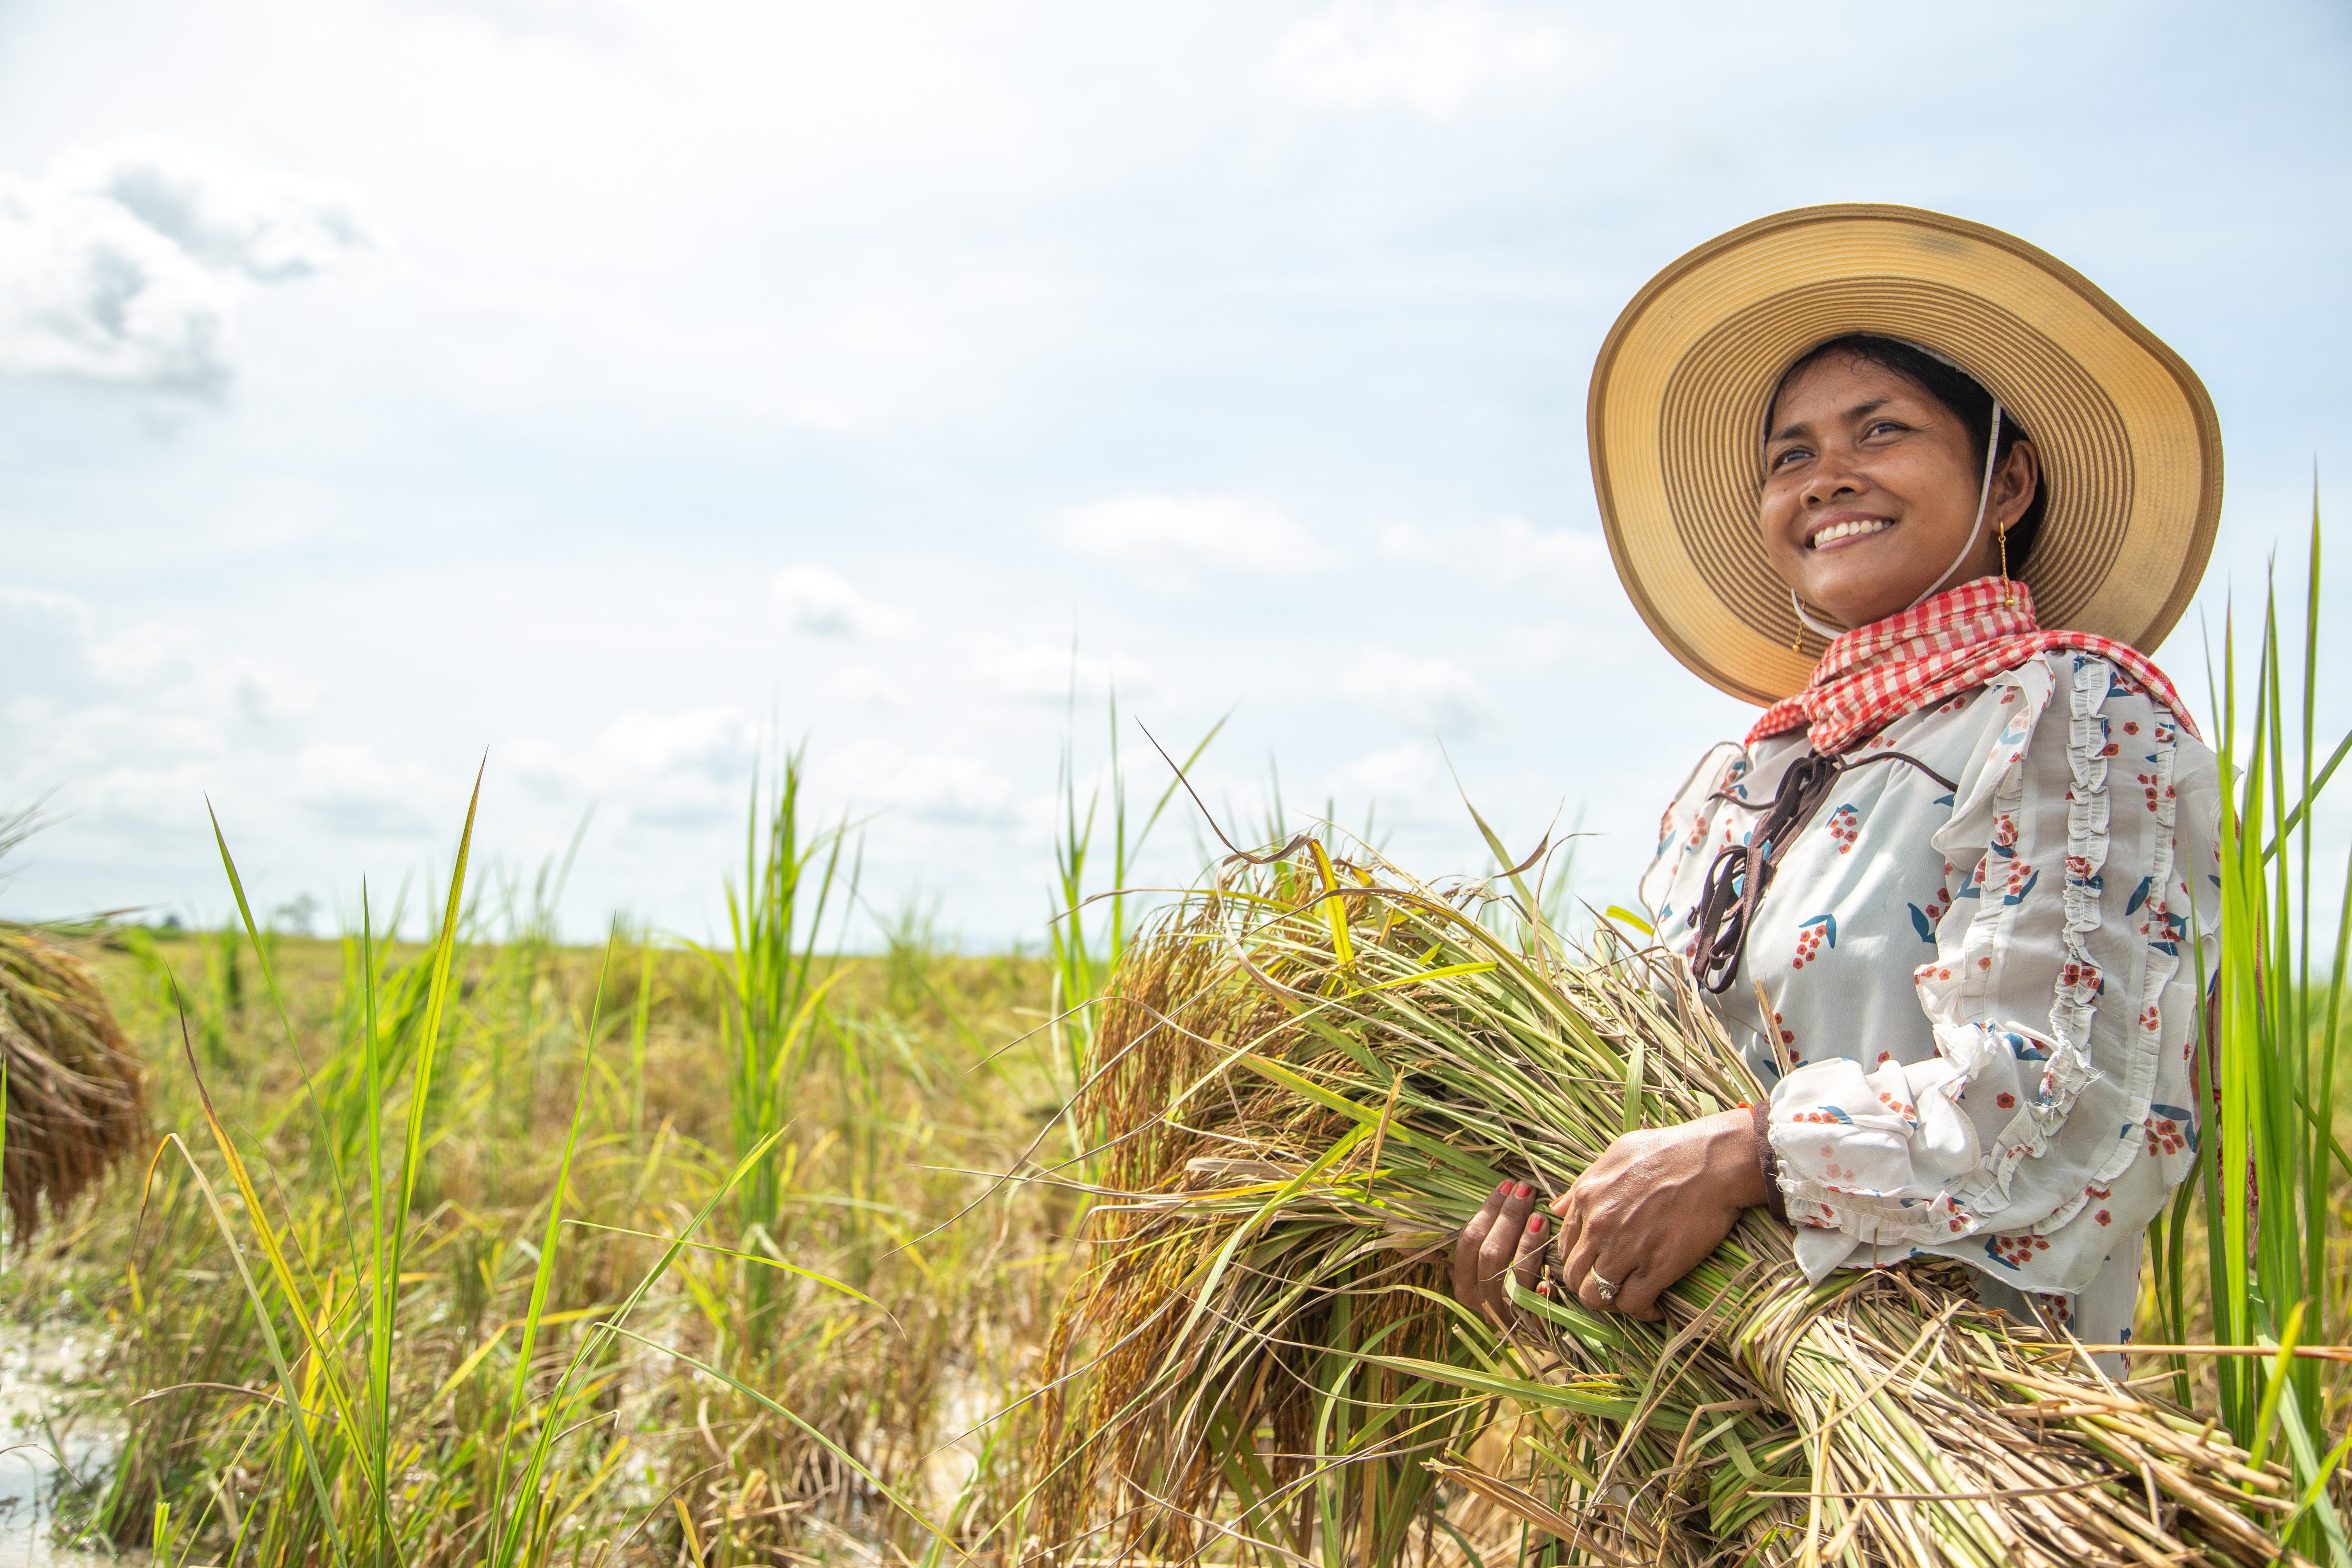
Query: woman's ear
<point x="2013" y="484"/>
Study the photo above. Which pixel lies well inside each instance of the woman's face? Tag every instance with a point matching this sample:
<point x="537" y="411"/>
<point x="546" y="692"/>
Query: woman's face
<point x="1870" y="489"/>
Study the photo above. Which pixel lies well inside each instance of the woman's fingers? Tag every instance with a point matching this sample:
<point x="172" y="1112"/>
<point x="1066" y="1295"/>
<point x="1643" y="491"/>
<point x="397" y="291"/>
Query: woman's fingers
<point x="1594" y="1269"/>
<point x="1466" y="1246"/>
<point x="1578" y="1240"/>
<point x="1639" y="1298"/>
<point x="1602" y="1291"/>
<point x="1500" y="1249"/>
<point x="1650" y="1208"/>
<point x="1527" y="1267"/>
<point x="1506" y="1239"/>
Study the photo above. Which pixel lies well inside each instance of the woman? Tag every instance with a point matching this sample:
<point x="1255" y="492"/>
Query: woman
<point x="1944" y="894"/>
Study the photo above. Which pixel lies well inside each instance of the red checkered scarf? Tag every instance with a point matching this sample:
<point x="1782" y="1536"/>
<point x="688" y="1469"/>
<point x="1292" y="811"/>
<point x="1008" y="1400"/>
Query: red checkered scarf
<point x="1955" y="642"/>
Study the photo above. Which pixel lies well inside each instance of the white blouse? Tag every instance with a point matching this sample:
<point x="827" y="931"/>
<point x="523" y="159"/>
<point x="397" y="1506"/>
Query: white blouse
<point x="1985" y="999"/>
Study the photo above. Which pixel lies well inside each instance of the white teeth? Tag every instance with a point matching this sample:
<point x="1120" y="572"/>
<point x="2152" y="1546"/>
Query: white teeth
<point x="1837" y="531"/>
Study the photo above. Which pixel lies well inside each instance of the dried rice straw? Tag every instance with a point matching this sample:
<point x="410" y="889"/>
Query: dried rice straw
<point x="1306" y="1077"/>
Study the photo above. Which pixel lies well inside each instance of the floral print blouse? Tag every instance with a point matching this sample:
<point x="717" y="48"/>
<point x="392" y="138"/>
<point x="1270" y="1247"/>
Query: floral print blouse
<point x="1977" y="1007"/>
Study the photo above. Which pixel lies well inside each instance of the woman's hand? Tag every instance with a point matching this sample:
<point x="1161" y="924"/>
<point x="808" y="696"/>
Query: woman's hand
<point x="1501" y="1242"/>
<point x="1652" y="1208"/>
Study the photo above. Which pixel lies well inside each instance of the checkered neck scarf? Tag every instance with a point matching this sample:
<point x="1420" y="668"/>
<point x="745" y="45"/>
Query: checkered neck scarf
<point x="1955" y="642"/>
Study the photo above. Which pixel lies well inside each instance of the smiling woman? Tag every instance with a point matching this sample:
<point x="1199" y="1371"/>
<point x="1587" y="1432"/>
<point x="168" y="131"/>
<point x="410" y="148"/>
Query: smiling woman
<point x="1945" y="888"/>
<point x="1886" y="438"/>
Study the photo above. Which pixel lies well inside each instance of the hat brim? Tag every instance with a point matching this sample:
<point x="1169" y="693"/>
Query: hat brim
<point x="2130" y="447"/>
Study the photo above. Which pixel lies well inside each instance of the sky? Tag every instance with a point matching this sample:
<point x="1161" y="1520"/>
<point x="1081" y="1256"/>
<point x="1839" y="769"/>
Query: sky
<point x="606" y="394"/>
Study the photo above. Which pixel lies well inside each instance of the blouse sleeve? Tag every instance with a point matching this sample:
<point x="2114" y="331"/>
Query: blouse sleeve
<point x="2062" y="998"/>
<point x="1684" y="831"/>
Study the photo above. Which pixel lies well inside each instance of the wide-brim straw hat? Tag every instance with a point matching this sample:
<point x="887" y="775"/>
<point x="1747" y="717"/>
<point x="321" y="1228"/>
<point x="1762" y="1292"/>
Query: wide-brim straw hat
<point x="2130" y="449"/>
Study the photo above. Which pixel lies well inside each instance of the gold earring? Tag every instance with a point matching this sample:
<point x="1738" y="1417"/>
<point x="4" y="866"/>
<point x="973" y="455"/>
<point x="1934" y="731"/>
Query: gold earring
<point x="2008" y="589"/>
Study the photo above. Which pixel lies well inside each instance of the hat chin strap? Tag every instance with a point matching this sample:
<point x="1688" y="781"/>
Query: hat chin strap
<point x="1984" y="497"/>
<point x="1821" y="628"/>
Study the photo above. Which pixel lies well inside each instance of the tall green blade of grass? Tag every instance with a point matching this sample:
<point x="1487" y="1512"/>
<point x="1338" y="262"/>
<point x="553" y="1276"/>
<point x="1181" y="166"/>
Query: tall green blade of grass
<point x="2317" y="1159"/>
<point x="285" y="1024"/>
<point x="776" y="921"/>
<point x="640" y="1021"/>
<point x="517" y="1509"/>
<point x="363" y="1417"/>
<point x="291" y="1393"/>
<point x="2272" y="1219"/>
<point x="2235" y="1001"/>
<point x="384" y="1298"/>
<point x="1077" y="969"/>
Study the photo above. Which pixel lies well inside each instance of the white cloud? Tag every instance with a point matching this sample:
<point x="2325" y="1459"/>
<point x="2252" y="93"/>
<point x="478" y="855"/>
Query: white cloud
<point x="1428" y="692"/>
<point x="683" y="769"/>
<point x="1163" y="537"/>
<point x="1411" y="772"/>
<point x="600" y="21"/>
<point x="270" y="226"/>
<point x="1430" y="57"/>
<point x="952" y="786"/>
<point x="353" y="788"/>
<point x="713" y="742"/>
<point x="865" y="687"/>
<point x="1545" y="643"/>
<point x="823" y="604"/>
<point x="1520" y="549"/>
<point x="1505" y="553"/>
<point x="1044" y="672"/>
<point x="176" y="662"/>
<point x="123" y="265"/>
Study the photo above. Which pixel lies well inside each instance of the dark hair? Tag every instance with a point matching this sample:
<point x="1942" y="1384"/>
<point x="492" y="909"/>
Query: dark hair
<point x="1957" y="391"/>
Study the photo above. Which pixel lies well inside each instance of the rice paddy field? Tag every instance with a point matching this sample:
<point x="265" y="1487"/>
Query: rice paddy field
<point x="492" y="1249"/>
<point x="508" y="1430"/>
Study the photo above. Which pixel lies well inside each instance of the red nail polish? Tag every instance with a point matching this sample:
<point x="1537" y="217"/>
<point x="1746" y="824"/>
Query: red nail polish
<point x="1526" y="1190"/>
<point x="1535" y="1226"/>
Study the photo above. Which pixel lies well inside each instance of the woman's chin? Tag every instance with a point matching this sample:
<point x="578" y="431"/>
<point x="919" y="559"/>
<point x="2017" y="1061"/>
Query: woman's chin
<point x="1858" y="581"/>
<point x="1855" y="603"/>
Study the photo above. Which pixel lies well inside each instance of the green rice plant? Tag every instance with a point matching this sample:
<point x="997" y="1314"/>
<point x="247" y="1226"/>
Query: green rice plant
<point x="385" y="1436"/>
<point x="1309" y="1076"/>
<point x="224" y="988"/>
<point x="2266" y="1194"/>
<point x="564" y="1141"/>
<point x="774" y="997"/>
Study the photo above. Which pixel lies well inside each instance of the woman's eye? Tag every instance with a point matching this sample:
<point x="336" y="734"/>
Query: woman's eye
<point x="1783" y="459"/>
<point x="1882" y="425"/>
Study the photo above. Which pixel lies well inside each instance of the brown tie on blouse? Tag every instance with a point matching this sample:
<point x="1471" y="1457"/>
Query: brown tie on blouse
<point x="1736" y="881"/>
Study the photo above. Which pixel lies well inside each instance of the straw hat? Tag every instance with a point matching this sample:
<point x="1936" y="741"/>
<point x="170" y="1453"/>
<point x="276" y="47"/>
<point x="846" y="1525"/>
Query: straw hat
<point x="2131" y="452"/>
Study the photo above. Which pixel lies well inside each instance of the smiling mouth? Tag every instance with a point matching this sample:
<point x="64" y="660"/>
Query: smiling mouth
<point x="1839" y="533"/>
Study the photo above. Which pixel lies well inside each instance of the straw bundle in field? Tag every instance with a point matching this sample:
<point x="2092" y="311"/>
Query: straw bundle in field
<point x="1306" y="1078"/>
<point x="73" y="1105"/>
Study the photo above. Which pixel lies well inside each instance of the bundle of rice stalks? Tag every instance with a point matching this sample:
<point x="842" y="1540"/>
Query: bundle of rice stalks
<point x="73" y="1103"/>
<point x="1308" y="1077"/>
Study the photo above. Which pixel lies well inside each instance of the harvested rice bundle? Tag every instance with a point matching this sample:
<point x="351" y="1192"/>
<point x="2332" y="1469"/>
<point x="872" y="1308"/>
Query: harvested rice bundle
<point x="1306" y="1079"/>
<point x="74" y="1105"/>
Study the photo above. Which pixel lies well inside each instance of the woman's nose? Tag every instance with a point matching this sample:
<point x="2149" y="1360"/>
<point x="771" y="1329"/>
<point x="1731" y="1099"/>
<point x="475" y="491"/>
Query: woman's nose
<point x="1830" y="480"/>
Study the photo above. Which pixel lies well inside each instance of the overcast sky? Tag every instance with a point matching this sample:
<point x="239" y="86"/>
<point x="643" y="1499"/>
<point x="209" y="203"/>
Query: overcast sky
<point x="609" y="386"/>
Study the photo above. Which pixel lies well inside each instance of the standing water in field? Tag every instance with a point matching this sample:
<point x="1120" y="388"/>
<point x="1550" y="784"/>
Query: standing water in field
<point x="44" y="1441"/>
